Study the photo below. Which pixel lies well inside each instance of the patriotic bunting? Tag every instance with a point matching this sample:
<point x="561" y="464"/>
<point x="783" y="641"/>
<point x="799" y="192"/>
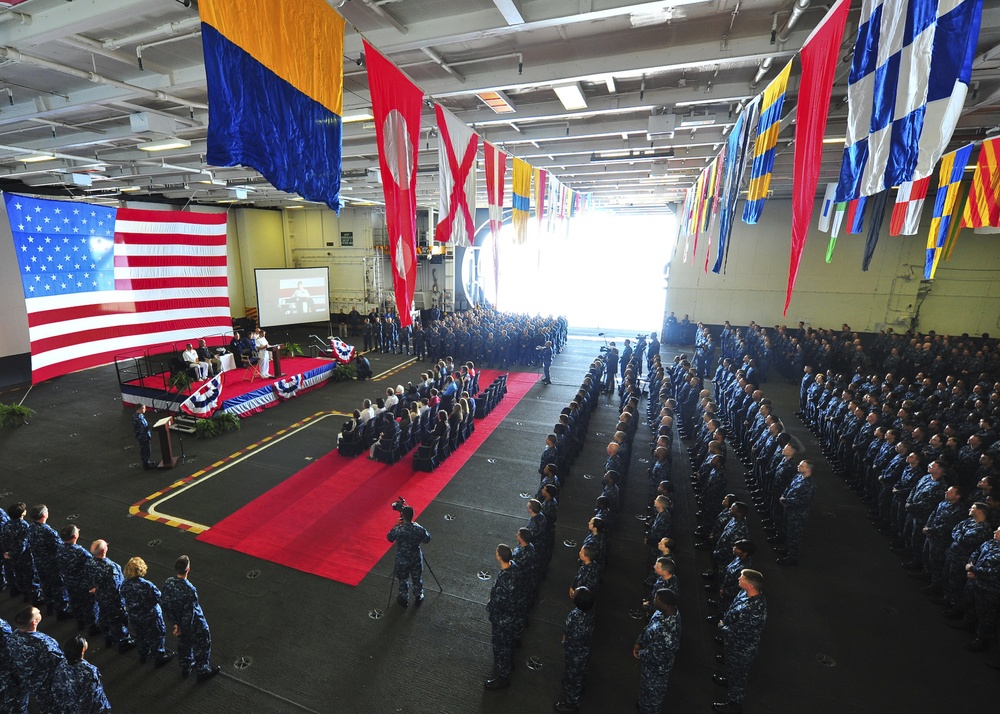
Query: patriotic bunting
<point x="949" y="177"/>
<point x="342" y="352"/>
<point x="205" y="399"/>
<point x="764" y="144"/>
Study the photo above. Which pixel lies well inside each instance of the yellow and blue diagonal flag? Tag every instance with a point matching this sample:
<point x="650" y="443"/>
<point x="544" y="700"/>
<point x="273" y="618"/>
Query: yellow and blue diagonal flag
<point x="949" y="179"/>
<point x="521" y="199"/>
<point x="275" y="72"/>
<point x="763" y="147"/>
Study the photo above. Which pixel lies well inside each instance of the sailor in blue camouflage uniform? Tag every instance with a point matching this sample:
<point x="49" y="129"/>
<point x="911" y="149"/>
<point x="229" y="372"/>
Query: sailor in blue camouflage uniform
<point x="408" y="536"/>
<point x="35" y="657"/>
<point x="14" y="546"/>
<point x="77" y="683"/>
<point x="105" y="578"/>
<point x="578" y="636"/>
<point x="504" y="613"/>
<point x="729" y="583"/>
<point x="13" y="696"/>
<point x="181" y="607"/>
<point x="588" y="575"/>
<point x="72" y="559"/>
<point x="741" y="628"/>
<point x="796" y="501"/>
<point x="983" y="571"/>
<point x="140" y="428"/>
<point x="734" y="530"/>
<point x="525" y="557"/>
<point x="145" y="619"/>
<point x="937" y="532"/>
<point x="966" y="537"/>
<point x="656" y="650"/>
<point x="44" y="543"/>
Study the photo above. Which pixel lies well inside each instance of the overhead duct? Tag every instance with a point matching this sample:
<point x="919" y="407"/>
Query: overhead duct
<point x="798" y="9"/>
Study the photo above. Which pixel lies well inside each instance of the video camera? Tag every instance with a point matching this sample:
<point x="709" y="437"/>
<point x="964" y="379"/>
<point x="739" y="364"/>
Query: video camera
<point x="398" y="504"/>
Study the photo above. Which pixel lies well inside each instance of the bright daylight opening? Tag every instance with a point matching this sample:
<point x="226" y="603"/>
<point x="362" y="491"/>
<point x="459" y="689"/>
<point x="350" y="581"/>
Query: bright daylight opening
<point x="605" y="270"/>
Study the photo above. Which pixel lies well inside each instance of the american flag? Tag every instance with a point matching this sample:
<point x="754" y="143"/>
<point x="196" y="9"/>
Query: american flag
<point x="101" y="281"/>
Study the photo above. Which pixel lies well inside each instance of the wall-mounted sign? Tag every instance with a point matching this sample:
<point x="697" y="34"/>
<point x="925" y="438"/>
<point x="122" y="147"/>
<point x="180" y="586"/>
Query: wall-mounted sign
<point x="346" y="239"/>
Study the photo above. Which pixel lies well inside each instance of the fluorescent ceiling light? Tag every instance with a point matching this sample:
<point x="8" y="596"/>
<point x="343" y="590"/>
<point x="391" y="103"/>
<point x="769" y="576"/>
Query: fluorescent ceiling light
<point x="164" y="144"/>
<point x="34" y="158"/>
<point x="130" y="189"/>
<point x="571" y="96"/>
<point x="497" y="101"/>
<point x="610" y="81"/>
<point x="698" y="120"/>
<point x="359" y="116"/>
<point x="833" y="140"/>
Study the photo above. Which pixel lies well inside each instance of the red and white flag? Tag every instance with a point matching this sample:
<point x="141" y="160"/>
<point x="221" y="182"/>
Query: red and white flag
<point x="496" y="171"/>
<point x="396" y="104"/>
<point x="909" y="204"/>
<point x="541" y="177"/>
<point x="102" y="281"/>
<point x="458" y="146"/>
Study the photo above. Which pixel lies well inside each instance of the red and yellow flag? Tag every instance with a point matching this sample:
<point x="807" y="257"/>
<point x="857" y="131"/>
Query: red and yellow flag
<point x="983" y="207"/>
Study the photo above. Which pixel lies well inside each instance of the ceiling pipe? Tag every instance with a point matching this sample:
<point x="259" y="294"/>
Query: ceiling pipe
<point x="170" y="28"/>
<point x="782" y="37"/>
<point x="88" y="45"/>
<point x="14" y="55"/>
<point x="164" y="41"/>
<point x="19" y="16"/>
<point x="442" y="64"/>
<point x="385" y="16"/>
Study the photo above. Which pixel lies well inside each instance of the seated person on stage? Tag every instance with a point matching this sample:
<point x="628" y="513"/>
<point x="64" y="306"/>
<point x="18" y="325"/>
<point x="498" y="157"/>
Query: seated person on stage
<point x="205" y="355"/>
<point x="236" y="346"/>
<point x="190" y="355"/>
<point x="363" y="367"/>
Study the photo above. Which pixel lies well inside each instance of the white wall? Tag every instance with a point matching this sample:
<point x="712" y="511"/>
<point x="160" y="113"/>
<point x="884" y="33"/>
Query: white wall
<point x="964" y="297"/>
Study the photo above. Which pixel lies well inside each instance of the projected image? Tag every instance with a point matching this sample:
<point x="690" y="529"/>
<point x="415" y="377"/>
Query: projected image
<point x="292" y="296"/>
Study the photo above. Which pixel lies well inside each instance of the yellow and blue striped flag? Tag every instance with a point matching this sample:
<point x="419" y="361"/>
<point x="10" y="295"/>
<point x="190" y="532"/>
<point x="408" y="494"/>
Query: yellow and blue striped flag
<point x="273" y="106"/>
<point x="949" y="178"/>
<point x="521" y="199"/>
<point x="763" y="146"/>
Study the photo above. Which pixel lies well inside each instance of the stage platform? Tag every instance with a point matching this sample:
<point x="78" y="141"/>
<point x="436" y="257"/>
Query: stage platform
<point x="240" y="396"/>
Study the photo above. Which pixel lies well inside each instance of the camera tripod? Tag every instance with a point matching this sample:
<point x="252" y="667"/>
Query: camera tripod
<point x="393" y="578"/>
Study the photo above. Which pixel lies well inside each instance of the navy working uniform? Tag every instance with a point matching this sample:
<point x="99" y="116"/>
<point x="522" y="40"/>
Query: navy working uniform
<point x="72" y="559"/>
<point x="13" y="695"/>
<point x="142" y="434"/>
<point x="14" y="543"/>
<point x="409" y="560"/>
<point x="78" y="689"/>
<point x="742" y="625"/>
<point x="35" y="657"/>
<point x="796" y="500"/>
<point x="194" y="640"/>
<point x="105" y="575"/>
<point x="657" y="647"/>
<point x="44" y="543"/>
<point x="577" y="639"/>
<point x="145" y="619"/>
<point x="504" y="614"/>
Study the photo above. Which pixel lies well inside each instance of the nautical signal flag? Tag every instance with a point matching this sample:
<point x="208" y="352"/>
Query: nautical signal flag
<point x="909" y="205"/>
<point x="909" y="77"/>
<point x="737" y="147"/>
<point x="541" y="177"/>
<point x="983" y="207"/>
<point x="763" y="146"/>
<point x="949" y="177"/>
<point x="273" y="106"/>
<point x="397" y="104"/>
<point x="521" y="199"/>
<point x="458" y="146"/>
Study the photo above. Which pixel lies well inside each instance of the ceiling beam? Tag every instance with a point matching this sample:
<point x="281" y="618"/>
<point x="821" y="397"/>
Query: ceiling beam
<point x="510" y="11"/>
<point x="81" y="16"/>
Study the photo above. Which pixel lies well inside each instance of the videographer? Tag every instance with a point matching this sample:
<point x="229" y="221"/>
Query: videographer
<point x="408" y="536"/>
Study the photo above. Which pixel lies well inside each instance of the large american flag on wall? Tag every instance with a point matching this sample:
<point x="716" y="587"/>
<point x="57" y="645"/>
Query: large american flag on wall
<point x="100" y="281"/>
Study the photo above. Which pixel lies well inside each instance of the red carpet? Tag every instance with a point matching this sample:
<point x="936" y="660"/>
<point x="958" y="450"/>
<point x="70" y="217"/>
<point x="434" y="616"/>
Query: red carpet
<point x="330" y="518"/>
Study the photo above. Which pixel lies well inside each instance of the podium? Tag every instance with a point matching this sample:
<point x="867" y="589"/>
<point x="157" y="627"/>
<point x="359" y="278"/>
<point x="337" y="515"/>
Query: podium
<point x="275" y="351"/>
<point x="167" y="458"/>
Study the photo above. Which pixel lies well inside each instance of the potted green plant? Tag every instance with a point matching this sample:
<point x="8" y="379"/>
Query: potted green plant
<point x="180" y="382"/>
<point x="292" y="349"/>
<point x="227" y="421"/>
<point x="14" y="415"/>
<point x="206" y="428"/>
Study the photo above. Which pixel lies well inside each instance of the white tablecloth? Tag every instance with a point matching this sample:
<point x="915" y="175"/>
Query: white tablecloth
<point x="228" y="361"/>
